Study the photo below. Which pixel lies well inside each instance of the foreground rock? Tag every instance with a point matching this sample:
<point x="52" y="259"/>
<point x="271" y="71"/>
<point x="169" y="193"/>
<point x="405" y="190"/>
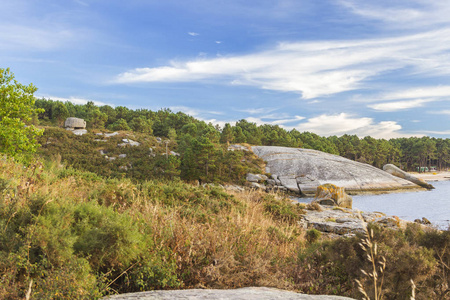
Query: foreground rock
<point x="303" y="170"/>
<point x="391" y="169"/>
<point x="344" y="222"/>
<point x="252" y="293"/>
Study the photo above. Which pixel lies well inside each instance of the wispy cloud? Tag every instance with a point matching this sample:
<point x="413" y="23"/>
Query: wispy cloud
<point x="312" y="69"/>
<point x="403" y="13"/>
<point x="399" y="105"/>
<point x="442" y="112"/>
<point x="32" y="37"/>
<point x="191" y="33"/>
<point x="328" y="125"/>
<point x="74" y="100"/>
<point x="409" y="98"/>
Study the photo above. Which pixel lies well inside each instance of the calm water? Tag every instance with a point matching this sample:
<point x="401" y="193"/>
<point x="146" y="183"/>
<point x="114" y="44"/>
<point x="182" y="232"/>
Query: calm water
<point x="433" y="205"/>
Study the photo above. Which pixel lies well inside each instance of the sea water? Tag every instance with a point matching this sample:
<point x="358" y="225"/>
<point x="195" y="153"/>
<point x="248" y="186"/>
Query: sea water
<point x="433" y="205"/>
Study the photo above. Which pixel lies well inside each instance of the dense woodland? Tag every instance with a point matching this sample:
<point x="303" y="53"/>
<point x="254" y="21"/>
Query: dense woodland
<point x="202" y="146"/>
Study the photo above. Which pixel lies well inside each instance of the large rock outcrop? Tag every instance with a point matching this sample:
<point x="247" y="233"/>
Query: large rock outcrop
<point x="74" y="123"/>
<point x="391" y="169"/>
<point x="303" y="170"/>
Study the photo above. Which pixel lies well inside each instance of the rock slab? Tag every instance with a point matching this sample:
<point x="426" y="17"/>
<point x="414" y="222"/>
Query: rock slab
<point x="252" y="293"/>
<point x="394" y="170"/>
<point x="303" y="170"/>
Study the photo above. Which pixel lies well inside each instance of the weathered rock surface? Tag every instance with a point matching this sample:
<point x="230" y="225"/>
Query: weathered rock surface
<point x="391" y="169"/>
<point x="79" y="131"/>
<point x="344" y="221"/>
<point x="252" y="293"/>
<point x="303" y="170"/>
<point x="329" y="194"/>
<point x="74" y="123"/>
<point x="128" y="142"/>
<point x="256" y="177"/>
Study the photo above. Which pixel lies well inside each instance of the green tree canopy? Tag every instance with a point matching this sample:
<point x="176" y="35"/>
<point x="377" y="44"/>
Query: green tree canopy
<point x="17" y="135"/>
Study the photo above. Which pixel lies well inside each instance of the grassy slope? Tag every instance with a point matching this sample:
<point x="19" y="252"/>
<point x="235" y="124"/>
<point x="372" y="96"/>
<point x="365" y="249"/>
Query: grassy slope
<point x="78" y="235"/>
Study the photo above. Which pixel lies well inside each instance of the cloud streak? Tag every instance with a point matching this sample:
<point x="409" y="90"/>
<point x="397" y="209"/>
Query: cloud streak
<point x="343" y="123"/>
<point x="312" y="69"/>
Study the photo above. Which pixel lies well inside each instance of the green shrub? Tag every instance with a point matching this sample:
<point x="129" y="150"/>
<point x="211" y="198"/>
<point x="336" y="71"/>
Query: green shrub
<point x="313" y="235"/>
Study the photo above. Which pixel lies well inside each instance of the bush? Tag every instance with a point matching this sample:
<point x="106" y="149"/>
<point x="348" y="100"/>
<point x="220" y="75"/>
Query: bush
<point x="313" y="235"/>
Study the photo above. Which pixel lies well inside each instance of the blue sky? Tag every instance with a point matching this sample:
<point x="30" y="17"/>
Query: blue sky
<point x="379" y="68"/>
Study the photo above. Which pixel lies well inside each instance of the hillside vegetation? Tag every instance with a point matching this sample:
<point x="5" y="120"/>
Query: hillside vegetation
<point x="75" y="224"/>
<point x="202" y="146"/>
<point x="71" y="234"/>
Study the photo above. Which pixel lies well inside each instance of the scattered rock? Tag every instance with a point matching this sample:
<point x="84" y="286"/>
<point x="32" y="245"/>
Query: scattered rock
<point x="79" y="131"/>
<point x="329" y="194"/>
<point x="74" y="123"/>
<point x="174" y="153"/>
<point x="111" y="134"/>
<point x="424" y="221"/>
<point x="129" y="142"/>
<point x="256" y="177"/>
<point x="237" y="148"/>
<point x="234" y="188"/>
<point x="257" y="186"/>
<point x="122" y="155"/>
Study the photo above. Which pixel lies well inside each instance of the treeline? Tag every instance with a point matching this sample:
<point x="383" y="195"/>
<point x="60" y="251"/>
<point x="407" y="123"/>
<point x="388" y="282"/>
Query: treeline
<point x="197" y="139"/>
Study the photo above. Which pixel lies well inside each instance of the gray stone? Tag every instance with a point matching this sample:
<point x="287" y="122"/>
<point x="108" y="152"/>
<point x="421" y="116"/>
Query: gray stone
<point x="237" y="148"/>
<point x="74" y="123"/>
<point x="257" y="186"/>
<point x="129" y="142"/>
<point x="256" y="177"/>
<point x="249" y="293"/>
<point x="302" y="170"/>
<point x="391" y="169"/>
<point x="122" y="155"/>
<point x="111" y="134"/>
<point x="234" y="188"/>
<point x="79" y="131"/>
<point x="271" y="182"/>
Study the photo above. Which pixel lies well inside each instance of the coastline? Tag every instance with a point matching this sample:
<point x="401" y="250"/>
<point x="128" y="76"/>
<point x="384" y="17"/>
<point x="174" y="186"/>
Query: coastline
<point x="432" y="176"/>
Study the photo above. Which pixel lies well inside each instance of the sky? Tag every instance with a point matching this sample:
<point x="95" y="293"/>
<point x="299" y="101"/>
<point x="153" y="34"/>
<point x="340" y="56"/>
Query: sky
<point x="365" y="67"/>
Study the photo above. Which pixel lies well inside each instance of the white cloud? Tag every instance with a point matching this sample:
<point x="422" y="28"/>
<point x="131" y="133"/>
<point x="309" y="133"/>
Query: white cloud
<point x="312" y="69"/>
<point x="328" y="125"/>
<point x="193" y="33"/>
<point x="422" y="92"/>
<point x="409" y="98"/>
<point x="218" y="42"/>
<point x="399" y="105"/>
<point x="403" y="13"/>
<point x="75" y="100"/>
<point x="32" y="37"/>
<point x="442" y="112"/>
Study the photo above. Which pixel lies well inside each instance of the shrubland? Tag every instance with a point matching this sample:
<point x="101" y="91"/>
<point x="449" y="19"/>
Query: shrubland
<point x="72" y="234"/>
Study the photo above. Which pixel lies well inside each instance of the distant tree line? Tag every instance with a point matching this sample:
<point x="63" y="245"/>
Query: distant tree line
<point x="200" y="144"/>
